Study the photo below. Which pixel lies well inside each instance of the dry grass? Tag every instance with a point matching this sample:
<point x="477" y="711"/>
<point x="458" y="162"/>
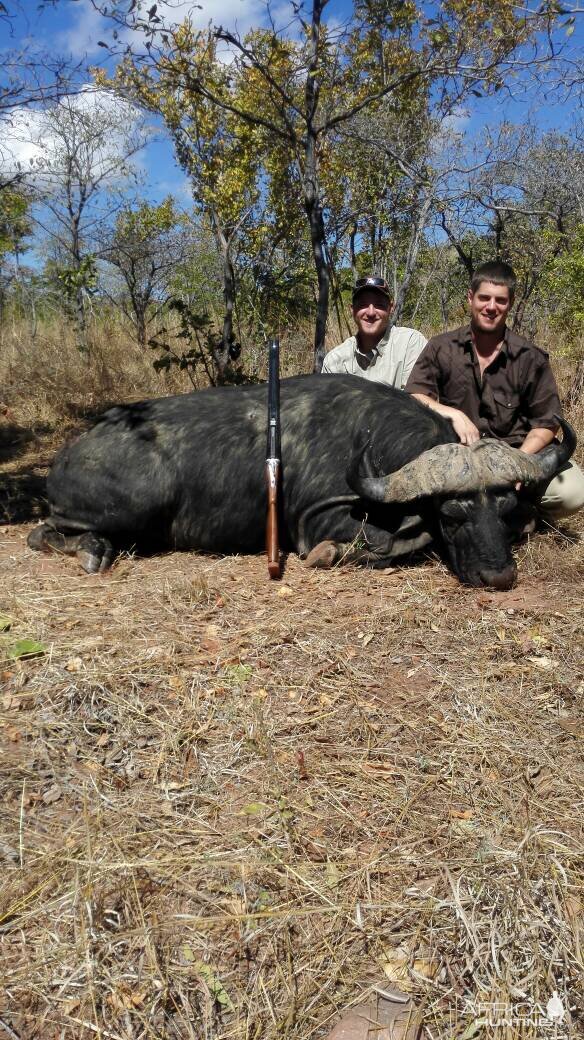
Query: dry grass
<point x="230" y="808"/>
<point x="47" y="384"/>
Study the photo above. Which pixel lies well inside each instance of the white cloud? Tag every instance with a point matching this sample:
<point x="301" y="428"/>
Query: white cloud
<point x="32" y="140"/>
<point x="88" y="27"/>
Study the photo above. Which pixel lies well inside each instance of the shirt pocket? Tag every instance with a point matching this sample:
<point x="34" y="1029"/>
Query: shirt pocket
<point x="507" y="407"/>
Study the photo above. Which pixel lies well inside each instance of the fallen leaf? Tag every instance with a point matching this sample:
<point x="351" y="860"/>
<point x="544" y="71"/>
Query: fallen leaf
<point x="5" y="623"/>
<point x="285" y="590"/>
<point x="461" y="814"/>
<point x="214" y="984"/>
<point x="26" y="648"/>
<point x="331" y="874"/>
<point x="380" y="1018"/>
<point x="575" y="727"/>
<point x="254" y="808"/>
<point x="52" y="795"/>
<point x="74" y="664"/>
<point x="543" y="662"/>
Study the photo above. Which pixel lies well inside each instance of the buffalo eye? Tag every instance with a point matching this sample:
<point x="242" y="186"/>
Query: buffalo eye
<point x="506" y="502"/>
<point x="453" y="509"/>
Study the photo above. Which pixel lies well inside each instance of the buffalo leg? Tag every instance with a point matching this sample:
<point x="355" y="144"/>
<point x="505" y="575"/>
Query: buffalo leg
<point x="383" y="548"/>
<point x="94" y="552"/>
<point x="327" y="554"/>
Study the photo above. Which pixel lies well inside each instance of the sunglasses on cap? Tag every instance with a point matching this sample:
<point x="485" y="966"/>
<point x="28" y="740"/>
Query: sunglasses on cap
<point x="372" y="282"/>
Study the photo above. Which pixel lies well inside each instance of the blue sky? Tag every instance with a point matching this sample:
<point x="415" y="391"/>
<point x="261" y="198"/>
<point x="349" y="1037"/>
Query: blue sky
<point x="72" y="27"/>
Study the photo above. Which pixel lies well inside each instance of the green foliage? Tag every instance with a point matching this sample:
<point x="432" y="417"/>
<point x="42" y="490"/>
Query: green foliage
<point x="564" y="285"/>
<point x="15" y="224"/>
<point x="135" y="227"/>
<point x="202" y="346"/>
<point x="82" y="275"/>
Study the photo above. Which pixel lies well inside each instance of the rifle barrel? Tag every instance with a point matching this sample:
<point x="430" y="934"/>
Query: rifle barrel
<point x="273" y="460"/>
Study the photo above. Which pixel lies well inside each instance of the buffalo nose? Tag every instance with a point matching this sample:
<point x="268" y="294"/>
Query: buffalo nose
<point x="500" y="580"/>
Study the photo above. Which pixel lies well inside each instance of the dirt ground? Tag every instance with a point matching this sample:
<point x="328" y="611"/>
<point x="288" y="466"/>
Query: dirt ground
<point x="234" y="808"/>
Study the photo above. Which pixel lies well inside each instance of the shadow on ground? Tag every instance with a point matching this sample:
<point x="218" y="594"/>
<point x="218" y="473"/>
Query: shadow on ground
<point x="23" y="495"/>
<point x="25" y="456"/>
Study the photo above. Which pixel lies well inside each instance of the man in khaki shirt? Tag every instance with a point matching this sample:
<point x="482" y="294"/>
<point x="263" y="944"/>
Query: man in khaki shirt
<point x="377" y="352"/>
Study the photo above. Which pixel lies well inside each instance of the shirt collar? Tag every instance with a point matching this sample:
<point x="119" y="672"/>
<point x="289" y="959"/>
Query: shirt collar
<point x="509" y="346"/>
<point x="378" y="350"/>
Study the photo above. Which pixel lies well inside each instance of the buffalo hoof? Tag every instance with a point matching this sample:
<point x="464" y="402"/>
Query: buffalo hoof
<point x="95" y="554"/>
<point x="323" y="555"/>
<point x="38" y="540"/>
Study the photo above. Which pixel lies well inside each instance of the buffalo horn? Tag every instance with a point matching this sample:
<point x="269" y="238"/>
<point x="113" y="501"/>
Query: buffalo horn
<point x="451" y="469"/>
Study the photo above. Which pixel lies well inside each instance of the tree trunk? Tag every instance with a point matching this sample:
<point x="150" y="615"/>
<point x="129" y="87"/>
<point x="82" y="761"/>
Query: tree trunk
<point x="352" y="252"/>
<point x="312" y="201"/>
<point x="221" y="354"/>
<point x="141" y="329"/>
<point x="317" y="238"/>
<point x="412" y="256"/>
<point x="80" y="317"/>
<point x="81" y="322"/>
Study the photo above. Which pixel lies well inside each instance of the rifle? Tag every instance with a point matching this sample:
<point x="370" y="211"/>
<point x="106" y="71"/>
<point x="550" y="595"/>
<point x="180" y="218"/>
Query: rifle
<point x="273" y="460"/>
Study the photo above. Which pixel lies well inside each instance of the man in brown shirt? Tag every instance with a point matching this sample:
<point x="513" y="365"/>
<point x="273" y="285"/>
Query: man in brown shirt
<point x="490" y="382"/>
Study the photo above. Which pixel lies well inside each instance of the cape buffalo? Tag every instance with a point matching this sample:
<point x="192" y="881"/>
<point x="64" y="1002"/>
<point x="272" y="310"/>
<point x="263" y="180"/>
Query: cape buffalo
<point x="366" y="469"/>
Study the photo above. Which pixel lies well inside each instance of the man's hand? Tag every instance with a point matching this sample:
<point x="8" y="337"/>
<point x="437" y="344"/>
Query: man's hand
<point x="465" y="429"/>
<point x="463" y="426"/>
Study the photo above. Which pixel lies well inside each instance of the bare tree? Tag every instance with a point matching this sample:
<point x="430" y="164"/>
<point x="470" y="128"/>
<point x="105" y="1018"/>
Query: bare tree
<point x="80" y="150"/>
<point x="521" y="205"/>
<point x="148" y="245"/>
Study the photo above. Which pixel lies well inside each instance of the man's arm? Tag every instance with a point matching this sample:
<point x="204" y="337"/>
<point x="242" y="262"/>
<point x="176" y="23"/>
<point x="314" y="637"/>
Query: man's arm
<point x="424" y="385"/>
<point x="537" y="439"/>
<point x="542" y="406"/>
<point x="463" y="427"/>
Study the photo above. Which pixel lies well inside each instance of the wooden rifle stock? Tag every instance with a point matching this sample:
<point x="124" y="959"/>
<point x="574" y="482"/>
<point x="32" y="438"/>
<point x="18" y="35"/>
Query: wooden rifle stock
<point x="273" y="461"/>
